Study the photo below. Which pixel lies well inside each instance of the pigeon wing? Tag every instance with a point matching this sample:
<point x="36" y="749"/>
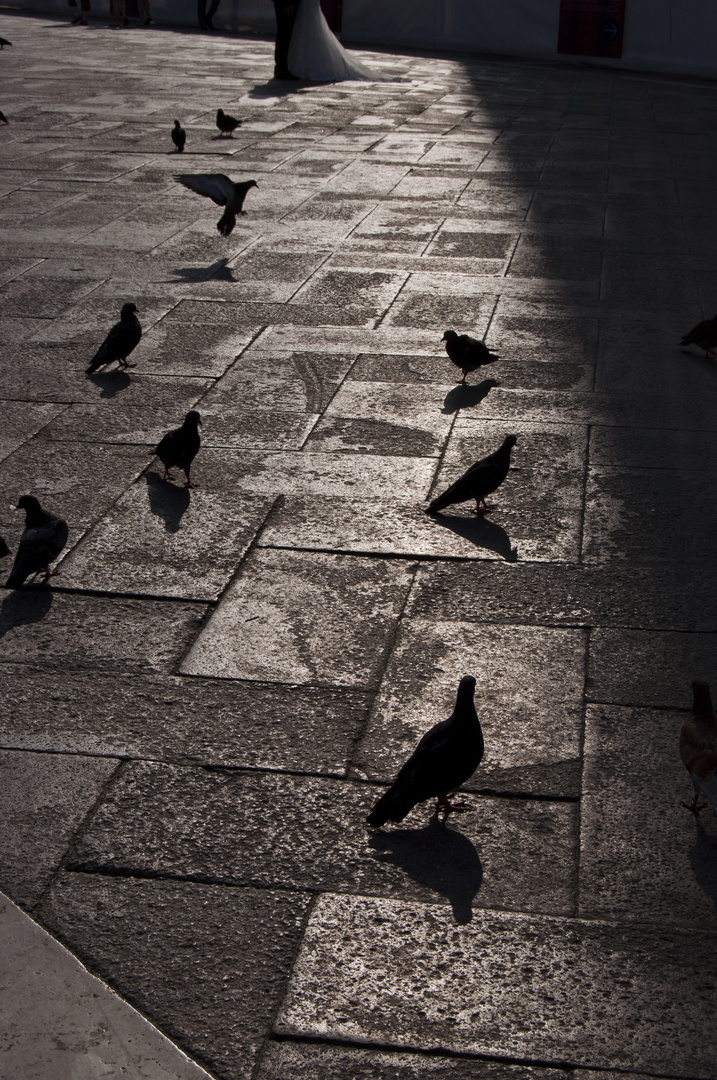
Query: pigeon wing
<point x="215" y="186"/>
<point x="38" y="547"/>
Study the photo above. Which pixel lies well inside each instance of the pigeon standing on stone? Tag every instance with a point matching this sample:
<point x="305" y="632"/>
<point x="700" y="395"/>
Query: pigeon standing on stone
<point x="224" y="192"/>
<point x="226" y="123"/>
<point x="42" y="541"/>
<point x="443" y="760"/>
<point x="179" y="136"/>
<point x="180" y="446"/>
<point x="122" y="339"/>
<point x="4" y="549"/>
<point x="704" y="335"/>
<point x="4" y="118"/>
<point x="698" y="748"/>
<point x="480" y="480"/>
<point x="3" y="42"/>
<point x="467" y="353"/>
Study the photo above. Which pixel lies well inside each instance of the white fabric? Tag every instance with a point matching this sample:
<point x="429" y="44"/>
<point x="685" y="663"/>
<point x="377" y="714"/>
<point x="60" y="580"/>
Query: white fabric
<point x="315" y="54"/>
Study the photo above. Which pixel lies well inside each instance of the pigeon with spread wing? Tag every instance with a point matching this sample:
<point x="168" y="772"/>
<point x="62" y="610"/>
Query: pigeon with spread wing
<point x="224" y="192"/>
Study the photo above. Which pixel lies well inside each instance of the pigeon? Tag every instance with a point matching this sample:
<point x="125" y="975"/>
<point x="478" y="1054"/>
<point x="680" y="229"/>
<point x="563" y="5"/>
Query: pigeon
<point x="467" y="353"/>
<point x="482" y="478"/>
<point x="122" y="339"/>
<point x="179" y="136"/>
<point x="226" y="123"/>
<point x="3" y="42"/>
<point x="180" y="446"/>
<point x="704" y="335"/>
<point x="698" y="748"/>
<point x="224" y="192"/>
<point x="4" y="118"/>
<point x="443" y="760"/>
<point x="42" y="541"/>
<point x="4" y="549"/>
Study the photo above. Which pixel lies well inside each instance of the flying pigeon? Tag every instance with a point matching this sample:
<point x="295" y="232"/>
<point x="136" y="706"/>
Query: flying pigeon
<point x="180" y="446"/>
<point x="4" y="549"/>
<point x="443" y="760"/>
<point x="226" y="123"/>
<point x="698" y="748"/>
<point x="224" y="192"/>
<point x="482" y="478"/>
<point x="42" y="541"/>
<point x="4" y="118"/>
<point x="4" y="42"/>
<point x="704" y="335"/>
<point x="179" y="136"/>
<point x="122" y="339"/>
<point x="467" y="353"/>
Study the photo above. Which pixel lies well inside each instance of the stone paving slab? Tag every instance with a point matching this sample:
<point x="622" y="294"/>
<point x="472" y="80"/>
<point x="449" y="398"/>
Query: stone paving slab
<point x="44" y="798"/>
<point x="645" y="858"/>
<point x="304" y="618"/>
<point x="296" y="381"/>
<point x="528" y="700"/>
<point x="642" y="667"/>
<point x="209" y="943"/>
<point x="22" y="420"/>
<point x="383" y="972"/>
<point x="310" y="834"/>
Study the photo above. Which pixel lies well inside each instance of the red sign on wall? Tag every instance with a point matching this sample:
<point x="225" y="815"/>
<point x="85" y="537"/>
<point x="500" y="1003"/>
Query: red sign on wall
<point x="591" y="27"/>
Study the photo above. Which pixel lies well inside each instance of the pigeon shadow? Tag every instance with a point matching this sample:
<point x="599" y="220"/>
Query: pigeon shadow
<point x="438" y="858"/>
<point x="167" y="501"/>
<point x="110" y="383"/>
<point x="703" y="858"/>
<point x="482" y="532"/>
<point x="23" y="606"/>
<point x="218" y="271"/>
<point x="464" y="397"/>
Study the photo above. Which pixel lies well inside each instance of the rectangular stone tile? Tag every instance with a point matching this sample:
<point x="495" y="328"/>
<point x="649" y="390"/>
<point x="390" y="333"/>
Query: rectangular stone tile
<point x="315" y="618"/>
<point x="172" y="349"/>
<point x="21" y="420"/>
<point x="95" y="633"/>
<point x="370" y="292"/>
<point x="212" y="722"/>
<point x="30" y="294"/>
<point x="519" y="986"/>
<point x="296" y="381"/>
<point x="528" y="700"/>
<point x="643" y="856"/>
<point x="518" y="338"/>
<point x="310" y="834"/>
<point x="44" y="798"/>
<point x="644" y="668"/>
<point x="160" y="539"/>
<point x="207" y="964"/>
<point x="441" y="301"/>
<point x="652" y="448"/>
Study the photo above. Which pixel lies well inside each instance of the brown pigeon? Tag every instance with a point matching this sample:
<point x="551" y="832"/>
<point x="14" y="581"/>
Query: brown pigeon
<point x="226" y="124"/>
<point x="467" y="353"/>
<point x="224" y="192"/>
<point x="698" y="748"/>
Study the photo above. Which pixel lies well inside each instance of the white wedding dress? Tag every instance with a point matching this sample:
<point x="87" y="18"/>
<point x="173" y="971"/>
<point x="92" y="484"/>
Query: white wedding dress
<point x="316" y="55"/>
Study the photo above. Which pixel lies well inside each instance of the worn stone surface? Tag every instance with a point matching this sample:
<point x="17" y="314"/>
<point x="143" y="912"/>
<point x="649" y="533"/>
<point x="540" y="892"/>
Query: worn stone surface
<point x="639" y="667"/>
<point x="151" y="940"/>
<point x="533" y="987"/>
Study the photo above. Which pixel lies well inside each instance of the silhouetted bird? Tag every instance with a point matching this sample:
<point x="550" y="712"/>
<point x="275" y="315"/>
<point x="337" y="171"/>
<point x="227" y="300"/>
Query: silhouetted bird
<point x="179" y="136"/>
<point x="467" y="353"/>
<point x="180" y="446"/>
<point x="698" y="748"/>
<point x="4" y="118"/>
<point x="122" y="339"/>
<point x="224" y="192"/>
<point x="480" y="480"/>
<point x="4" y="42"/>
<point x="443" y="760"/>
<point x="42" y="541"/>
<point x="704" y="335"/>
<point x="4" y="549"/>
<point x="226" y="123"/>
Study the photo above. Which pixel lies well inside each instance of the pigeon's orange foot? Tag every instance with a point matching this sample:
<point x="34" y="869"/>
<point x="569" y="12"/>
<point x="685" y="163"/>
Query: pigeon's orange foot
<point x="47" y="573"/>
<point x="444" y="803"/>
<point x="189" y="484"/>
<point x="242" y="213"/>
<point x="694" y="806"/>
<point x="124" y="364"/>
<point x="485" y="508"/>
<point x="167" y="475"/>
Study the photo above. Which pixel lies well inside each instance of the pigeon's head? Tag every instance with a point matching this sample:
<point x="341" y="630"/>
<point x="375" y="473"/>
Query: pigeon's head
<point x="193" y="418"/>
<point x="510" y="441"/>
<point x="449" y="335"/>
<point x="251" y="183"/>
<point x="702" y="698"/>
<point x="220" y="114"/>
<point x="128" y="311"/>
<point x="177" y="124"/>
<point x="30" y="505"/>
<point x="466" y="688"/>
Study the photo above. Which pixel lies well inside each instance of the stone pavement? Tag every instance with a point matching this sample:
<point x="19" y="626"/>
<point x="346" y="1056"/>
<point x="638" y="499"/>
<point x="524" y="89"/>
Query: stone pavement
<point x="201" y="709"/>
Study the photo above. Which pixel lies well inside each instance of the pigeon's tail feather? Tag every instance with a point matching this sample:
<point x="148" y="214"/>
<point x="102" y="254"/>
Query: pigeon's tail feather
<point x="393" y="806"/>
<point x="442" y="501"/>
<point x="226" y="223"/>
<point x="97" y="361"/>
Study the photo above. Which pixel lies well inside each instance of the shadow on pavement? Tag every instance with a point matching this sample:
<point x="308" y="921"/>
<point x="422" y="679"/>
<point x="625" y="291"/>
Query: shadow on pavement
<point x="110" y="383"/>
<point x="480" y="531"/>
<point x="23" y="606"/>
<point x="464" y="397"/>
<point x="167" y="501"/>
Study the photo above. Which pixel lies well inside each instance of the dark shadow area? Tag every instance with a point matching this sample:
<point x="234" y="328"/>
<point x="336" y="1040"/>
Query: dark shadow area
<point x="703" y="859"/>
<point x="23" y="606"/>
<point x="464" y="397"/>
<point x="438" y="858"/>
<point x="275" y="88"/>
<point x="479" y="530"/>
<point x="110" y="383"/>
<point x="218" y="271"/>
<point x="167" y="501"/>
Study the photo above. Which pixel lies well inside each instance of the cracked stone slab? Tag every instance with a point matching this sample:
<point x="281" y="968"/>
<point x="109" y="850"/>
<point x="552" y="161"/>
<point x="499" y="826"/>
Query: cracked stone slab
<point x="643" y="856"/>
<point x="304" y="618"/>
<point x="207" y="964"/>
<point x="310" y="834"/>
<point x="44" y="798"/>
<point x="644" y="667"/>
<point x="528" y="699"/>
<point x="295" y="381"/>
<point x="400" y="974"/>
<point x="59" y="1020"/>
<point x="160" y="539"/>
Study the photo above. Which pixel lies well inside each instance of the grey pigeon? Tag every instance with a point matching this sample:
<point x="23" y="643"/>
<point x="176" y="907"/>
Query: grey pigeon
<point x="226" y="123"/>
<point x="4" y="549"/>
<point x="4" y="118"/>
<point x="704" y="335"/>
<point x="179" y="136"/>
<point x="467" y="353"/>
<point x="180" y="446"/>
<point x="224" y="192"/>
<point x="42" y="541"/>
<point x="122" y="339"/>
<point x="482" y="478"/>
<point x="443" y="760"/>
<point x="3" y="42"/>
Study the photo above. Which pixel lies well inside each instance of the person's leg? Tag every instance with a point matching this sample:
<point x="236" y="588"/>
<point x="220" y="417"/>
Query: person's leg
<point x="202" y="13"/>
<point x="285" y="15"/>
